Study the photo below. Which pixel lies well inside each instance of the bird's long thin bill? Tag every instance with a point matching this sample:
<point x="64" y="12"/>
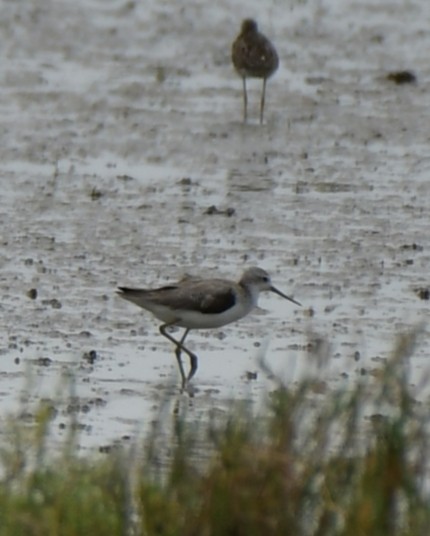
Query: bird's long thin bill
<point x="274" y="289"/>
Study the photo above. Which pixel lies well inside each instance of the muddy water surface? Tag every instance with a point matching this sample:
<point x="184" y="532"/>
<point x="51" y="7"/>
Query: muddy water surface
<point x="121" y="126"/>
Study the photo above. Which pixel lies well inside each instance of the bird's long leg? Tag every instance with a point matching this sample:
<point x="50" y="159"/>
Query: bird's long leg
<point x="245" y="101"/>
<point x="180" y="347"/>
<point x="193" y="358"/>
<point x="178" y="357"/>
<point x="263" y="96"/>
<point x="181" y="367"/>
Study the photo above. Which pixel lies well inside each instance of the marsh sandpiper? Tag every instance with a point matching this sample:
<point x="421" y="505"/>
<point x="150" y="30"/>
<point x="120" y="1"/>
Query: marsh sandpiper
<point x="196" y="303"/>
<point x="253" y="56"/>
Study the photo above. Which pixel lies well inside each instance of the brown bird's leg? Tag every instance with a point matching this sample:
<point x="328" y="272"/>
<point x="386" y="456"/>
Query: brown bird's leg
<point x="180" y="347"/>
<point x="263" y="95"/>
<point x="245" y="101"/>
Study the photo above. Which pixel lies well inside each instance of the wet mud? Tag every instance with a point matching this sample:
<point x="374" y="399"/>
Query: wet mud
<point x="124" y="161"/>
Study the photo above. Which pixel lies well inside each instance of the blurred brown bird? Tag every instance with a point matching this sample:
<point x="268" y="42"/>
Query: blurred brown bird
<point x="253" y="56"/>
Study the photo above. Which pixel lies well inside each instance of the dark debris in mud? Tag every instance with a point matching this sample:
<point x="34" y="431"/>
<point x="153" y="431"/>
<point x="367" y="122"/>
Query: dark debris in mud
<point x="32" y="293"/>
<point x="423" y="293"/>
<point x="90" y="357"/>
<point x="402" y="77"/>
<point x="214" y="211"/>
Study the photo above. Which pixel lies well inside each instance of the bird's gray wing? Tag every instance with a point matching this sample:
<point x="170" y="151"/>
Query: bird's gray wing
<point x="207" y="296"/>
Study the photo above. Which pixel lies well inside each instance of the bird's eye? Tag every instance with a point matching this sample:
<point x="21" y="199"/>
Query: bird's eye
<point x="265" y="279"/>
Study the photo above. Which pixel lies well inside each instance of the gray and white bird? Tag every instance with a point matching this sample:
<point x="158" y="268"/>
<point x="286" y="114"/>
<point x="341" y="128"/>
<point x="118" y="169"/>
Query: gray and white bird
<point x="196" y="303"/>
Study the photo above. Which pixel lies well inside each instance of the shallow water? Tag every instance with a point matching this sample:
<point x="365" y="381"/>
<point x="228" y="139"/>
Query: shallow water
<point x="122" y="125"/>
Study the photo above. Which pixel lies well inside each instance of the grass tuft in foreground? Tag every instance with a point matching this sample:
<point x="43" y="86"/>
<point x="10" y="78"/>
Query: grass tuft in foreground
<point x="353" y="462"/>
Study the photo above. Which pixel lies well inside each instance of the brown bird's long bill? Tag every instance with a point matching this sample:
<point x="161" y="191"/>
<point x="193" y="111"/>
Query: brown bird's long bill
<point x="276" y="291"/>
